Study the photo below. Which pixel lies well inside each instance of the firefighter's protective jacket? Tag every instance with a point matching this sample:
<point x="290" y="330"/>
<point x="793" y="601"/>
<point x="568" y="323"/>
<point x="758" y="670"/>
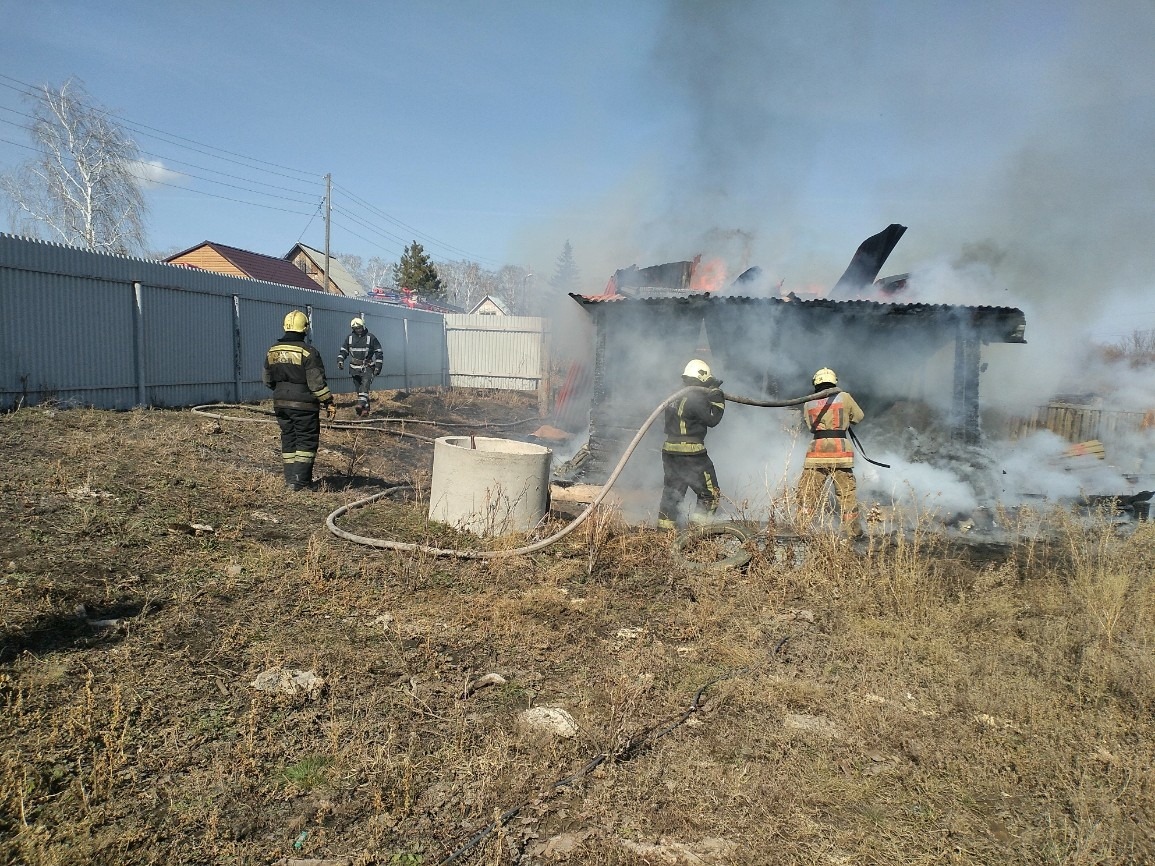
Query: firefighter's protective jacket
<point x="689" y="417"/>
<point x="296" y="373"/>
<point x="362" y="351"/>
<point x="828" y="419"/>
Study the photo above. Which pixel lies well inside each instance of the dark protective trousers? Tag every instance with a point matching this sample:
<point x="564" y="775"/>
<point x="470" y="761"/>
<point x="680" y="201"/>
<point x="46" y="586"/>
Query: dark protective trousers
<point x="300" y="435"/>
<point x="363" y="382"/>
<point x="684" y="472"/>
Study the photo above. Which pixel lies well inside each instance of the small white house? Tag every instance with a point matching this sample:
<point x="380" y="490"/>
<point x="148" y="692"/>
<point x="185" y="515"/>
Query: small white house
<point x="489" y="306"/>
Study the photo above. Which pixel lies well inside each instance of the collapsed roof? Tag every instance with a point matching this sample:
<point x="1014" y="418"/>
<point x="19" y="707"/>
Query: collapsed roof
<point x="767" y="347"/>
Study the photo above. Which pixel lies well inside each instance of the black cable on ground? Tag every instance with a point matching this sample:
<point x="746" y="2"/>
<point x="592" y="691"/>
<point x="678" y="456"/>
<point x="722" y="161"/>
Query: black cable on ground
<point x="630" y="749"/>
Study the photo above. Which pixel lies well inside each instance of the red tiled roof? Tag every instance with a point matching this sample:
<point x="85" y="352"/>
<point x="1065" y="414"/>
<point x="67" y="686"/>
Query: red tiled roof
<point x="259" y="266"/>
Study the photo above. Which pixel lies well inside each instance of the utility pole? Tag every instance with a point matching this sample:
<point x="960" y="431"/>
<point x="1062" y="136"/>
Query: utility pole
<point x="328" y="220"/>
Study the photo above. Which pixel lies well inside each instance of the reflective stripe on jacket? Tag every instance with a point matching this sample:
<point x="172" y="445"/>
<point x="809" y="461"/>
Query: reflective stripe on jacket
<point x="296" y="373"/>
<point x="361" y="351"/>
<point x="825" y="419"/>
<point x="688" y="418"/>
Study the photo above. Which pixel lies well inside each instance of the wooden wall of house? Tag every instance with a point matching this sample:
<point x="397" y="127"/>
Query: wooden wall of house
<point x="1077" y="423"/>
<point x="208" y="259"/>
<point x="306" y="264"/>
<point x="310" y="269"/>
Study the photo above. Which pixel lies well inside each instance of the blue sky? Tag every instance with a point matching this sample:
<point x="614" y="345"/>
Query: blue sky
<point x="1015" y="134"/>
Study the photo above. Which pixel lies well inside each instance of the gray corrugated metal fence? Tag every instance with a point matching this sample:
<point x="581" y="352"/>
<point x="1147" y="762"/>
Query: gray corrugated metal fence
<point x="116" y="332"/>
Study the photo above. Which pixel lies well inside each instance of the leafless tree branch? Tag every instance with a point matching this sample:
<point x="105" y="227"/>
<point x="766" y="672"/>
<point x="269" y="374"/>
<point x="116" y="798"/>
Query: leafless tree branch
<point x="83" y="187"/>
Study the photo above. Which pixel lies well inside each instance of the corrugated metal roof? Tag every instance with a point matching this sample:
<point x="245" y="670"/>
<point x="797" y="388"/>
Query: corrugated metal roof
<point x="1008" y="322"/>
<point x="338" y="273"/>
<point x="707" y="298"/>
<point x="268" y="269"/>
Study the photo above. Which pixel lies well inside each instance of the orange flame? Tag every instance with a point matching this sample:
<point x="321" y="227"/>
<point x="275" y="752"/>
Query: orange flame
<point x="708" y="276"/>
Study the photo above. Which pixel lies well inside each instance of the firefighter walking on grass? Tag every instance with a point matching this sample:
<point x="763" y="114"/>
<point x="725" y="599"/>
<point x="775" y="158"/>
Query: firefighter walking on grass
<point x="830" y="455"/>
<point x="296" y="374"/>
<point x="363" y="351"/>
<point x="685" y="463"/>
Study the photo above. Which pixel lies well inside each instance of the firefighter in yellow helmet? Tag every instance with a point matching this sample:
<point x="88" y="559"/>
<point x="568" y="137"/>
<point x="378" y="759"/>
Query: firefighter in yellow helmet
<point x="830" y="455"/>
<point x="685" y="463"/>
<point x="296" y="374"/>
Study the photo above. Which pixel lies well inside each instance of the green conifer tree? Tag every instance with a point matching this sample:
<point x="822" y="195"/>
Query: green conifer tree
<point x="415" y="271"/>
<point x="565" y="277"/>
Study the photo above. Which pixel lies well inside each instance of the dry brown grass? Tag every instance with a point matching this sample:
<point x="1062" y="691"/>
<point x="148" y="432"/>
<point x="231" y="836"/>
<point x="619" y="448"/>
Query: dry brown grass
<point x="905" y="706"/>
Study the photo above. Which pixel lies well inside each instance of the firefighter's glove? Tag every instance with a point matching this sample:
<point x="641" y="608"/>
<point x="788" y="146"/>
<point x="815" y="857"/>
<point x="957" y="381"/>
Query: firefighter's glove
<point x="340" y="363"/>
<point x="717" y="396"/>
<point x="331" y="410"/>
<point x="376" y="369"/>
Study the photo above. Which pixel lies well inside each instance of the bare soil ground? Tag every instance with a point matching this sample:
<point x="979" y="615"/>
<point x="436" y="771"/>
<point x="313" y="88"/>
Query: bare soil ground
<point x="906" y="704"/>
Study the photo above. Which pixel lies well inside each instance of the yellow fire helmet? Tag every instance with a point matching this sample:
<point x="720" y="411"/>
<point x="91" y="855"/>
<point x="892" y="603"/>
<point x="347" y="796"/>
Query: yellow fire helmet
<point x="357" y="323"/>
<point x="825" y="376"/>
<point x="697" y="369"/>
<point x="297" y="322"/>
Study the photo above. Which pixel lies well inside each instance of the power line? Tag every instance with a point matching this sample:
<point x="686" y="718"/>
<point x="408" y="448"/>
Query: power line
<point x="403" y="225"/>
<point x="360" y="221"/>
<point x="190" y="164"/>
<point x="17" y="144"/>
<point x="320" y="204"/>
<point x="33" y="90"/>
<point x="248" y="163"/>
<point x="221" y="197"/>
<point x="225" y="183"/>
<point x="367" y="240"/>
<point x="221" y="173"/>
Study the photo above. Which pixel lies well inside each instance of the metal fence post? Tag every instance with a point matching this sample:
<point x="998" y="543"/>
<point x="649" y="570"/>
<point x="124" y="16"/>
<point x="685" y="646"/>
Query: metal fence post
<point x="138" y="342"/>
<point x="405" y="352"/>
<point x="236" y="348"/>
<point x="545" y="383"/>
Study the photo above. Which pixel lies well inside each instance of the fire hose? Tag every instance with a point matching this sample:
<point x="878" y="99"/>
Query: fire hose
<point x="331" y="520"/>
<point x="371" y="424"/>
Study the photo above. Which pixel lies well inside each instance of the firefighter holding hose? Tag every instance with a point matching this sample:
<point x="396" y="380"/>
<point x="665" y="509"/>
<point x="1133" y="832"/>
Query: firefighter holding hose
<point x="685" y="463"/>
<point x="296" y="374"/>
<point x="830" y="455"/>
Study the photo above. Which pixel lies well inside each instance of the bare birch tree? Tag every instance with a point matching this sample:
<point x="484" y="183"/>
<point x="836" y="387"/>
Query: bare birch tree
<point x="516" y="286"/>
<point x="84" y="186"/>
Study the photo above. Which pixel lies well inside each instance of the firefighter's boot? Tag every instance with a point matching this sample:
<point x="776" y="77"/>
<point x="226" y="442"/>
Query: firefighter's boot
<point x="304" y="475"/>
<point x="291" y="475"/>
<point x="704" y="516"/>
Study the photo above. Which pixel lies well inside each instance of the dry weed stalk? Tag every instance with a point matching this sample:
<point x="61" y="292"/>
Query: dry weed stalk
<point x="1010" y="724"/>
<point x="597" y="530"/>
<point x="907" y="572"/>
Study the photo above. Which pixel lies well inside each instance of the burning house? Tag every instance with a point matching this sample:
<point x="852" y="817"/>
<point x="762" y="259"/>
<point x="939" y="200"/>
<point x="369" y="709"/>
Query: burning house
<point x="892" y="355"/>
<point x="766" y="349"/>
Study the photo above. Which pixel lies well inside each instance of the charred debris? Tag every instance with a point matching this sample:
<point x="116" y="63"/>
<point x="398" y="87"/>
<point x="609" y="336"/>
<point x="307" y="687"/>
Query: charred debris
<point x="916" y="368"/>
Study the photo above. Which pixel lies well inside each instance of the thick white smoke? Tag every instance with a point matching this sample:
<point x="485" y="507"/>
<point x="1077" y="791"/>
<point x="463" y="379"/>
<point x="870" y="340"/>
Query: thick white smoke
<point x="1012" y="140"/>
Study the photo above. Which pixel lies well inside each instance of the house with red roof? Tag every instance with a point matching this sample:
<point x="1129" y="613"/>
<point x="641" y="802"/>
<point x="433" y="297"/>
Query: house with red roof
<point x="223" y="259"/>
